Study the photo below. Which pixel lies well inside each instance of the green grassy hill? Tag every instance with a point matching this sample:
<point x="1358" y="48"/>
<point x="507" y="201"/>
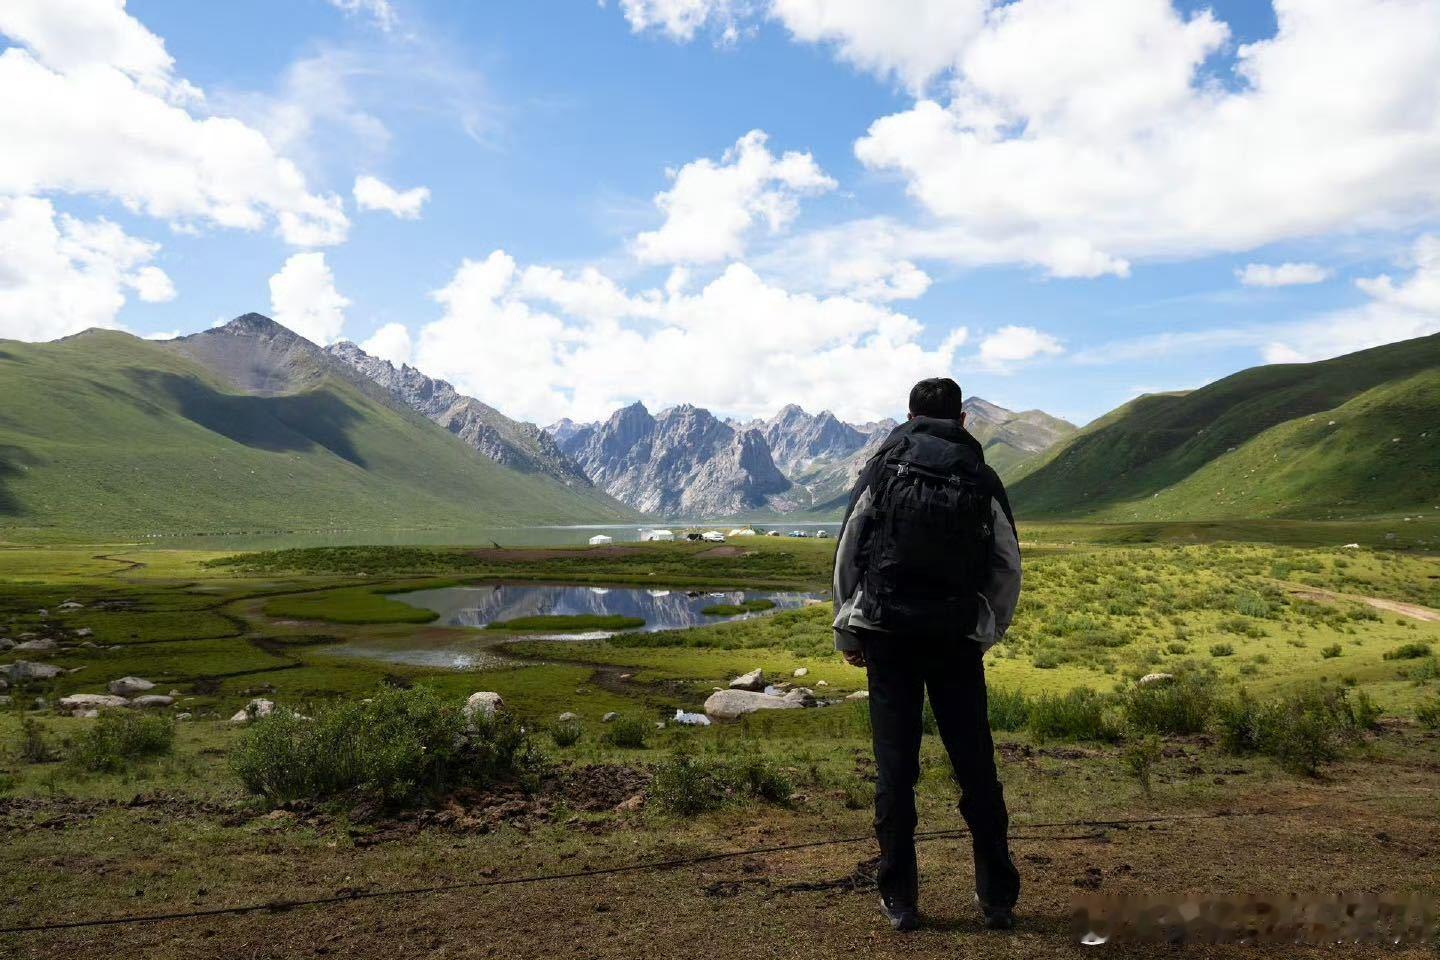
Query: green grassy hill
<point x="1354" y="436"/>
<point x="104" y="433"/>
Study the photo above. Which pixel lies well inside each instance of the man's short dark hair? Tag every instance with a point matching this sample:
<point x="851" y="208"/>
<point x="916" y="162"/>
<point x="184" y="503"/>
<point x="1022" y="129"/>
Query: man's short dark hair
<point x="937" y="397"/>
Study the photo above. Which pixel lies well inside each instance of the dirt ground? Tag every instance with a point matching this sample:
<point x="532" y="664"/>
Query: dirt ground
<point x="1371" y="826"/>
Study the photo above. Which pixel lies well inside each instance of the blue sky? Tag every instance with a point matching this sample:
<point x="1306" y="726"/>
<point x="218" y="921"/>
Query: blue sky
<point x="1055" y="206"/>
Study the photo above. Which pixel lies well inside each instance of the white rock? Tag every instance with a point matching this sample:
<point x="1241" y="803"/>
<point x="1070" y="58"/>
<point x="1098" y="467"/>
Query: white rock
<point x="84" y="632"/>
<point x="86" y="714"/>
<point x="610" y="717"/>
<point x="183" y="716"/>
<point x="72" y="605"/>
<point x="5" y="701"/>
<point x="754" y="680"/>
<point x="691" y="719"/>
<point x="568" y="717"/>
<point x="130" y="686"/>
<point x="254" y="710"/>
<point x="859" y="695"/>
<point x="483" y="704"/>
<point x="730" y="704"/>
<point x="152" y="700"/>
<point x="22" y="670"/>
<point x="1351" y="546"/>
<point x="822" y="683"/>
<point x="90" y="701"/>
<point x="37" y="646"/>
<point x="801" y="672"/>
<point x="1150" y="678"/>
<point x="802" y="696"/>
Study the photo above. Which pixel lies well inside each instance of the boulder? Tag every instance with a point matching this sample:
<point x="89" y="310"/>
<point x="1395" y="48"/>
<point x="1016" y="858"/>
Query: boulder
<point x="483" y="704"/>
<point x="569" y="717"/>
<point x="859" y="695"/>
<point x="822" y="683"/>
<point x="691" y="719"/>
<point x="183" y="716"/>
<point x="90" y="714"/>
<point x="84" y="632"/>
<point x="152" y="700"/>
<point x="610" y="717"/>
<point x="6" y="644"/>
<point x="802" y="696"/>
<point x="731" y="704"/>
<point x="22" y="670"/>
<point x="90" y="701"/>
<point x="45" y="645"/>
<point x="1156" y="678"/>
<point x="254" y="710"/>
<point x="130" y="686"/>
<point x="72" y="605"/>
<point x="801" y="672"/>
<point x="4" y="684"/>
<point x="754" y="680"/>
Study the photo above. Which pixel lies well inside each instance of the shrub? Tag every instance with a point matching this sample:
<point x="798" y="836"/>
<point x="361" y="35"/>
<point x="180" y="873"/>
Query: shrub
<point x="566" y="733"/>
<point x="1176" y="648"/>
<point x="630" y="732"/>
<point x="1077" y="715"/>
<point x="1331" y="652"/>
<point x="34" y="747"/>
<point x="1140" y="758"/>
<point x="1222" y="650"/>
<point x="1183" y="706"/>
<point x="402" y="746"/>
<point x="1009" y="709"/>
<point x="118" y="737"/>
<point x="1409" y="651"/>
<point x="1301" y="731"/>
<point x="687" y="785"/>
<point x="859" y="794"/>
<point x="1429" y="714"/>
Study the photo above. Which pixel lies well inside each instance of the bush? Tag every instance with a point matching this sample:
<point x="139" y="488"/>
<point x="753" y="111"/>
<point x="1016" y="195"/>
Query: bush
<point x="1330" y="652"/>
<point x="118" y="737"/>
<point x="859" y="795"/>
<point x="1140" y="759"/>
<point x="1077" y="715"/>
<point x="1183" y="706"/>
<point x="566" y="733"/>
<point x="1222" y="650"/>
<point x="34" y="747"/>
<point x="629" y="732"/>
<point x="1009" y="709"/>
<point x="686" y="785"/>
<point x="1301" y="731"/>
<point x="1429" y="714"/>
<point x="402" y="746"/>
<point x="1409" y="651"/>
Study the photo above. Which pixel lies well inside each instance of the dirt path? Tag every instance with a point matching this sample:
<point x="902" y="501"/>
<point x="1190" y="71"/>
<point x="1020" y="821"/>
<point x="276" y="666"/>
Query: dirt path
<point x="1411" y="610"/>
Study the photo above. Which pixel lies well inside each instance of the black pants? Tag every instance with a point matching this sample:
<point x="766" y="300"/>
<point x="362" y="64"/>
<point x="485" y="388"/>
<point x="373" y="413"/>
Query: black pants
<point x="901" y="668"/>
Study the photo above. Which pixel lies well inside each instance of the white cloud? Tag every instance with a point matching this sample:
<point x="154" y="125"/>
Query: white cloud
<point x="547" y="344"/>
<point x="303" y="297"/>
<point x="391" y="342"/>
<point x="682" y="19"/>
<point x="60" y="275"/>
<point x="1395" y="311"/>
<point x="1281" y="275"/>
<point x="379" y="11"/>
<point x="710" y="207"/>
<point x="1011" y="345"/>
<point x="371" y="193"/>
<point x="91" y="107"/>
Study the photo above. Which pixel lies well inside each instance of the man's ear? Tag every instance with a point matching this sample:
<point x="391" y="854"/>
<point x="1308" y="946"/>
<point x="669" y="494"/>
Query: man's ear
<point x="962" y="418"/>
<point x="909" y="416"/>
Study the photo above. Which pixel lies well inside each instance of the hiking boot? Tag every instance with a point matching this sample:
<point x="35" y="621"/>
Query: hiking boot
<point x="996" y="918"/>
<point x="902" y="916"/>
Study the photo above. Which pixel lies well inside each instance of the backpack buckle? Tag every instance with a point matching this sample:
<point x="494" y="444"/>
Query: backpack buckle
<point x="902" y="468"/>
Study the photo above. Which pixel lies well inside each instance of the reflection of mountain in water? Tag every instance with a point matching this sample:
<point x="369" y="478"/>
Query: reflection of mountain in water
<point x="660" y="609"/>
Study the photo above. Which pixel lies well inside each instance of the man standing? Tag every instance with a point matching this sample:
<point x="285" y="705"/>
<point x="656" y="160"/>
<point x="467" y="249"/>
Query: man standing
<point x="927" y="575"/>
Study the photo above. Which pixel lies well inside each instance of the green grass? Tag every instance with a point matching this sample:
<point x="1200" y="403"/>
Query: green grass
<point x="349" y="605"/>
<point x="102" y="429"/>
<point x="1286" y="440"/>
<point x="567" y="622"/>
<point x="735" y="609"/>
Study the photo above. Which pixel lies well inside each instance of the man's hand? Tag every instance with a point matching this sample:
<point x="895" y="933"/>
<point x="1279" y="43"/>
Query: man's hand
<point x="856" y="658"/>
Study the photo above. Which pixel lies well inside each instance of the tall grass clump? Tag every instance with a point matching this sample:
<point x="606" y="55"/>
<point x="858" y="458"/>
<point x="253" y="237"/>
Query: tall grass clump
<point x="1009" y="709"/>
<point x="1081" y="714"/>
<point x="1429" y="714"/>
<point x="119" y="737"/>
<point x="402" y="746"/>
<point x="686" y="784"/>
<point x="1178" y="707"/>
<point x="1409" y="651"/>
<point x="630" y="732"/>
<point x="1302" y="731"/>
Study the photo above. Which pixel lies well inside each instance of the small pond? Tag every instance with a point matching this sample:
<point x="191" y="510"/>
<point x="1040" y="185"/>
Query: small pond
<point x="661" y="609"/>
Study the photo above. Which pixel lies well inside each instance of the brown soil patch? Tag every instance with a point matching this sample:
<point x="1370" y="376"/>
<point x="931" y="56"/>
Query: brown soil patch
<point x="719" y="553"/>
<point x="1412" y="610"/>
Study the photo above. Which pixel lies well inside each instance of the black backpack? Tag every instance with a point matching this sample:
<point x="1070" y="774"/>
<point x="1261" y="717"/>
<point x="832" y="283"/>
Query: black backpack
<point x="925" y="549"/>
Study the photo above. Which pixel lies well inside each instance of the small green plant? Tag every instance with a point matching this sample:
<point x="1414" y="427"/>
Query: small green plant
<point x="1409" y="651"/>
<point x="859" y="795"/>
<point x="1077" y="715"/>
<point x="1222" y="650"/>
<point x="34" y="746"/>
<point x="1140" y="758"/>
<point x="1176" y="648"/>
<point x="1331" y="652"/>
<point x="736" y="609"/>
<point x="402" y="746"/>
<point x="686" y="785"/>
<point x="566" y="733"/>
<point x="1009" y="709"/>
<point x="629" y="732"/>
<point x="1429" y="714"/>
<point x="120" y="736"/>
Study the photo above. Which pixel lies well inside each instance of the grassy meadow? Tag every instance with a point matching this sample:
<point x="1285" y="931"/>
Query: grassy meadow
<point x="1307" y="674"/>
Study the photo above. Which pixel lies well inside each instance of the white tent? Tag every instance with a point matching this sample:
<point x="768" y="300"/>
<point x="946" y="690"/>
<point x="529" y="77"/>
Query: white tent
<point x="713" y="536"/>
<point x="742" y="532"/>
<point x="600" y="539"/>
<point x="657" y="535"/>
